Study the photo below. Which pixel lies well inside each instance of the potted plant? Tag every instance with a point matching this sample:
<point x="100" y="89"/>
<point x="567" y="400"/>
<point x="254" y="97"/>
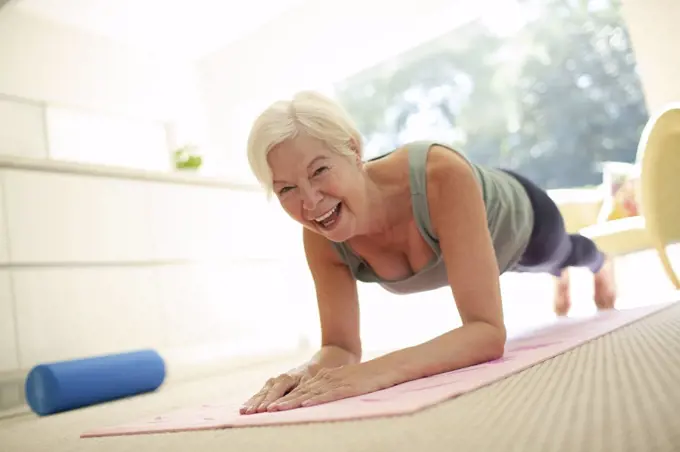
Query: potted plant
<point x="188" y="158"/>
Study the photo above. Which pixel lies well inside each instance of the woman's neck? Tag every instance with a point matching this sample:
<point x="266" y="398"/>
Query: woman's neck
<point x="385" y="214"/>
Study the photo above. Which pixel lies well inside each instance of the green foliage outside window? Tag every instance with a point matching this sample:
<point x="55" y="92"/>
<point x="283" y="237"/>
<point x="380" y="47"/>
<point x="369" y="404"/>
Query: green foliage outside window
<point x="551" y="99"/>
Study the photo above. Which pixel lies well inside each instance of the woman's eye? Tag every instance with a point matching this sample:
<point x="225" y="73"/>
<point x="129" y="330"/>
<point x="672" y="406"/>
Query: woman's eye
<point x="284" y="190"/>
<point x="320" y="170"/>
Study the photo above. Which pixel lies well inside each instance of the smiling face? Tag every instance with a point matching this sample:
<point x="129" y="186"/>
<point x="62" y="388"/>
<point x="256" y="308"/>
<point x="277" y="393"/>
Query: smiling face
<point x="319" y="188"/>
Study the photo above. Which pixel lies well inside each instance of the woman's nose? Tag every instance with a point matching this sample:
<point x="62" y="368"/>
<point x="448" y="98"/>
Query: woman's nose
<point x="310" y="197"/>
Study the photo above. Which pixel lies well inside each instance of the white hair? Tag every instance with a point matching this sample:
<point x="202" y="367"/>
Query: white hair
<point x="307" y="113"/>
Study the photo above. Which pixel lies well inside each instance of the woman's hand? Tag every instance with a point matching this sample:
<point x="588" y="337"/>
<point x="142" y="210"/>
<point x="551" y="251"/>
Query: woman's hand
<point x="277" y="387"/>
<point x="330" y="384"/>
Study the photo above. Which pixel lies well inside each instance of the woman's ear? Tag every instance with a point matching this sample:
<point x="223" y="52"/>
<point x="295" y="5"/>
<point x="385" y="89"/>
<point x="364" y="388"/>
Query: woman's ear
<point x="356" y="148"/>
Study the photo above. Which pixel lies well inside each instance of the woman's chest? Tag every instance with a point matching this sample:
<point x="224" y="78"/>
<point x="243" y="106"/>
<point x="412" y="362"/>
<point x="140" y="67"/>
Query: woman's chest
<point x="397" y="260"/>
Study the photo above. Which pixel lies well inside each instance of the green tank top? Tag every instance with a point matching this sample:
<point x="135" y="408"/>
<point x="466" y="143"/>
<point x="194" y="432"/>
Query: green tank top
<point x="510" y="219"/>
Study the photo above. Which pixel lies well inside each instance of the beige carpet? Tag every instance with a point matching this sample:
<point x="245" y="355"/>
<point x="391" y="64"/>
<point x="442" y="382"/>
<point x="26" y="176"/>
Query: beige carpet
<point x="620" y="392"/>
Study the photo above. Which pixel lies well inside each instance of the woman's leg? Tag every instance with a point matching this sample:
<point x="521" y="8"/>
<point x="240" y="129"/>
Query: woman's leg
<point x="552" y="250"/>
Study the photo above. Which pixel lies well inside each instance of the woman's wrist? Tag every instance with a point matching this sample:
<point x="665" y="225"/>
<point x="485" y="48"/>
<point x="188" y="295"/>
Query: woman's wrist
<point x="333" y="356"/>
<point x="328" y="356"/>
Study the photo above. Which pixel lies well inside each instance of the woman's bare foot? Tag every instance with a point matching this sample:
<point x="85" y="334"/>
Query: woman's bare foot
<point x="605" y="286"/>
<point x="562" y="294"/>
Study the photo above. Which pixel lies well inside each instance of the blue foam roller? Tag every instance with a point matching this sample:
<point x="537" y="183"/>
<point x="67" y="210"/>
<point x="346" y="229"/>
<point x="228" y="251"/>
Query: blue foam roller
<point x="66" y="385"/>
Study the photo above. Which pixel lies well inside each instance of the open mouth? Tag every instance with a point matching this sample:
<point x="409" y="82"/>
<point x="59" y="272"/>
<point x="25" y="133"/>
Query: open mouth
<point x="330" y="218"/>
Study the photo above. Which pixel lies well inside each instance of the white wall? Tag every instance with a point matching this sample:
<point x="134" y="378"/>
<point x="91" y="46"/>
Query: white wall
<point x="47" y="62"/>
<point x="653" y="25"/>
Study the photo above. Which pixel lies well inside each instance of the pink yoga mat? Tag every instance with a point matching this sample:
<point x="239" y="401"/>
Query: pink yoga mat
<point x="521" y="352"/>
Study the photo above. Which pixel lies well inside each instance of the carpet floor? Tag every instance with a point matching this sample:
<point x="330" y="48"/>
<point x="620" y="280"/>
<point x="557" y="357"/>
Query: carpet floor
<point x="619" y="393"/>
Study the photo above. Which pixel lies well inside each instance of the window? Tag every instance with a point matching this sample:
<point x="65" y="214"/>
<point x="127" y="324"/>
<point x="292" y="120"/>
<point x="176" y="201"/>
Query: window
<point x="548" y="88"/>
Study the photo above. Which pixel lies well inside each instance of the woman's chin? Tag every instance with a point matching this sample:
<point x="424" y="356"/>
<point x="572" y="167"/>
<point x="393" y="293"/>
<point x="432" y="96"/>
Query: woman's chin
<point x="338" y="234"/>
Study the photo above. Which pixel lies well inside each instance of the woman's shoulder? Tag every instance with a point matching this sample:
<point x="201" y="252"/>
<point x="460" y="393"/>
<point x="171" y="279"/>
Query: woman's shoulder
<point x="391" y="168"/>
<point x="448" y="173"/>
<point x="433" y="154"/>
<point x="445" y="161"/>
<point x="433" y="166"/>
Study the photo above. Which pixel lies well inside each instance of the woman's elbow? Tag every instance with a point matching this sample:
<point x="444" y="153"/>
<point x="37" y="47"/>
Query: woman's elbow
<point x="496" y="343"/>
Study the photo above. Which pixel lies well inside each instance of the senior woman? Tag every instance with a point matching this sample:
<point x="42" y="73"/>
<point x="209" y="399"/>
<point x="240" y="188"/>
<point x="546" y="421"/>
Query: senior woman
<point x="419" y="218"/>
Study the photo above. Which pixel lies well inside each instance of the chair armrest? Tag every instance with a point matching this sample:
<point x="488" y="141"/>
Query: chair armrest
<point x="619" y="237"/>
<point x="579" y="207"/>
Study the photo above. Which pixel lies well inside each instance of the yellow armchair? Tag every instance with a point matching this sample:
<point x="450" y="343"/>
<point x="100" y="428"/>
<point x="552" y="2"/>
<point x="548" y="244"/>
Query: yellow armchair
<point x="659" y="156"/>
<point x="658" y="225"/>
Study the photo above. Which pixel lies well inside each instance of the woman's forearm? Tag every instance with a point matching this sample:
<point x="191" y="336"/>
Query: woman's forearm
<point x="471" y="344"/>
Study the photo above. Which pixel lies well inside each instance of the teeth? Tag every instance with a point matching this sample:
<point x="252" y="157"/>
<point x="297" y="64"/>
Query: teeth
<point x="326" y="215"/>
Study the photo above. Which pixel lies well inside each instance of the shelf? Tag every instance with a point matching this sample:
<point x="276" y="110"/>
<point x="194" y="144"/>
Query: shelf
<point x="116" y="172"/>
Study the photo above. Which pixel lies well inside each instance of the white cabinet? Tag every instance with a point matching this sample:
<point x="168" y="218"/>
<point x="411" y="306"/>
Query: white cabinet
<point x="4" y="237"/>
<point x="64" y="218"/>
<point x="22" y="129"/>
<point x="100" y="264"/>
<point x="9" y="360"/>
<point x="65" y="313"/>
